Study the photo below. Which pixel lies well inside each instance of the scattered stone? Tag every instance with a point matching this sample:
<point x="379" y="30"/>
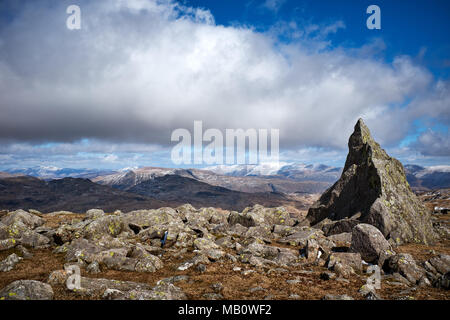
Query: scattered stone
<point x="441" y="263"/>
<point x="372" y="296"/>
<point x="9" y="263"/>
<point x="93" y="267"/>
<point x="212" y="296"/>
<point x="256" y="289"/>
<point x="337" y="297"/>
<point x="173" y="279"/>
<point x="217" y="287"/>
<point x="23" y="252"/>
<point x="443" y="281"/>
<point x="344" y="238"/>
<point x="327" y="276"/>
<point x="247" y="272"/>
<point x="7" y="244"/>
<point x="201" y="267"/>
<point x="293" y="281"/>
<point x="185" y="266"/>
<point x="58" y="277"/>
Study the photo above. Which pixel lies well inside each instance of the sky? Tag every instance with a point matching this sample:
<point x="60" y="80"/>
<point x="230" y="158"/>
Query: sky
<point x="109" y="95"/>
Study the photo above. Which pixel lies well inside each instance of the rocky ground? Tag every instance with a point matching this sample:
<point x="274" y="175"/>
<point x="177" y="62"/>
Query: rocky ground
<point x="259" y="253"/>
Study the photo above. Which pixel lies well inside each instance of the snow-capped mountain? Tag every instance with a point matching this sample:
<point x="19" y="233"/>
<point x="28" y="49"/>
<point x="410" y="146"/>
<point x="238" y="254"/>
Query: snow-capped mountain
<point x="264" y="169"/>
<point x="297" y="171"/>
<point x="128" y="178"/>
<point x="52" y="172"/>
<point x="428" y="177"/>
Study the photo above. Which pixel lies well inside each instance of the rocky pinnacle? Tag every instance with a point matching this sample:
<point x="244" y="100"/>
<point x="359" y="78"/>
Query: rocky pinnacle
<point x="373" y="189"/>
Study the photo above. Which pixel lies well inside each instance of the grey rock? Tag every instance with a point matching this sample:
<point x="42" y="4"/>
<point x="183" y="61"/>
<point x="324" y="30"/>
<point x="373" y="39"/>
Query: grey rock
<point x="346" y="258"/>
<point x="29" y="220"/>
<point x="93" y="267"/>
<point x="213" y="296"/>
<point x="441" y="263"/>
<point x="9" y="263"/>
<point x="369" y="242"/>
<point x="27" y="290"/>
<point x="405" y="265"/>
<point x="337" y="297"/>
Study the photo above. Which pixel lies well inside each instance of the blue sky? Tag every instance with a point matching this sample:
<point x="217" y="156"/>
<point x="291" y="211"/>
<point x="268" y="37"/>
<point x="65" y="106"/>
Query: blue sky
<point x="417" y="28"/>
<point x="110" y="94"/>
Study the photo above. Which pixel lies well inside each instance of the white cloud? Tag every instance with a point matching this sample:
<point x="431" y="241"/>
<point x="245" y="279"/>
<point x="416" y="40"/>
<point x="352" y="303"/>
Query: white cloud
<point x="139" y="69"/>
<point x="431" y="143"/>
<point x="273" y="5"/>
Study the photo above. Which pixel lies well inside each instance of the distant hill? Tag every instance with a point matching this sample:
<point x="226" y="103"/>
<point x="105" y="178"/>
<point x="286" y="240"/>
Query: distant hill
<point x="72" y="194"/>
<point x="179" y="190"/>
<point x="79" y="195"/>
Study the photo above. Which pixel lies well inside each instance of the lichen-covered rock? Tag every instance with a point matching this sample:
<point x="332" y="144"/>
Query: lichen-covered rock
<point x="33" y="239"/>
<point x="92" y="287"/>
<point x="109" y="225"/>
<point x="147" y="218"/>
<point x="405" y="265"/>
<point x="94" y="214"/>
<point x="9" y="263"/>
<point x="369" y="242"/>
<point x="8" y="244"/>
<point x="300" y="237"/>
<point x="30" y="220"/>
<point x="441" y="263"/>
<point x="374" y="190"/>
<point x="344" y="238"/>
<point x="27" y="290"/>
<point x="205" y="244"/>
<point x="162" y="292"/>
<point x="346" y="258"/>
<point x="340" y="226"/>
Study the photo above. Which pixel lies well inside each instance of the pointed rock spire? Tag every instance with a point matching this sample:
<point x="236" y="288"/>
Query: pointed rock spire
<point x="373" y="189"/>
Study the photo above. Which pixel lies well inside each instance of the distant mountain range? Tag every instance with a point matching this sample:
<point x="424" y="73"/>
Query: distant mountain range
<point x="233" y="181"/>
<point x="50" y="172"/>
<point x="424" y="178"/>
<point x="295" y="171"/>
<point x="279" y="177"/>
<point x="170" y="190"/>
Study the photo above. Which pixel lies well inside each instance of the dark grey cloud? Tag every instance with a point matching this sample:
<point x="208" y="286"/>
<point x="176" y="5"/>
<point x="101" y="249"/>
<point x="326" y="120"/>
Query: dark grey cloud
<point x="432" y="143"/>
<point x="139" y="69"/>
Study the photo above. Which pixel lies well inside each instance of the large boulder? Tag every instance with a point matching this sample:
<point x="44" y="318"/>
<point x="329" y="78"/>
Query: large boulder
<point x="373" y="189"/>
<point x="369" y="242"/>
<point x="107" y="225"/>
<point x="30" y="220"/>
<point x="27" y="290"/>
